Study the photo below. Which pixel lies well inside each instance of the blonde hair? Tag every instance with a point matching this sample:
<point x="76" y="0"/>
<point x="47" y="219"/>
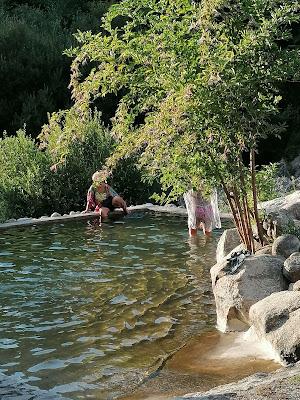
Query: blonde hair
<point x="100" y="176"/>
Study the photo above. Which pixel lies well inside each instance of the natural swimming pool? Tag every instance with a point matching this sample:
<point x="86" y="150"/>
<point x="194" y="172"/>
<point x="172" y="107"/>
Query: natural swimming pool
<point x="89" y="311"/>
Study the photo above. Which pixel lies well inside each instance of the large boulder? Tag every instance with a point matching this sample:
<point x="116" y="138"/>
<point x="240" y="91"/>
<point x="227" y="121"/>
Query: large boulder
<point x="285" y="245"/>
<point x="255" y="279"/>
<point x="289" y="203"/>
<point x="291" y="269"/>
<point x="277" y="222"/>
<point x="276" y="319"/>
<point x="228" y="241"/>
<point x="295" y="286"/>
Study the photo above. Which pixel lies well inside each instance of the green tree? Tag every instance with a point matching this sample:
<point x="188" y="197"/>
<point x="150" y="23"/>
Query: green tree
<point x="34" y="73"/>
<point x="198" y="88"/>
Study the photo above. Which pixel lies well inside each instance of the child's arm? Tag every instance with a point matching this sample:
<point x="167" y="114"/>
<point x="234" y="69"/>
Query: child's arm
<point x="90" y="199"/>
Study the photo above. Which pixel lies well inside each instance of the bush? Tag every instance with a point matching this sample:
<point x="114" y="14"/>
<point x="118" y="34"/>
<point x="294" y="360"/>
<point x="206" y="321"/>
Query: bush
<point x="131" y="182"/>
<point x="266" y="182"/>
<point x="22" y="171"/>
<point x="55" y="177"/>
<point x="78" y="147"/>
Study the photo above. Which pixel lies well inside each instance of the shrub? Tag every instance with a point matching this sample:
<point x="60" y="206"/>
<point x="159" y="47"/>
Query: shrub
<point x="78" y="147"/>
<point x="22" y="171"/>
<point x="266" y="182"/>
<point x="74" y="157"/>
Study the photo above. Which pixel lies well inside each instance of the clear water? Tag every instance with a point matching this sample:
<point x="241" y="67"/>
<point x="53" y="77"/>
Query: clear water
<point x="87" y="311"/>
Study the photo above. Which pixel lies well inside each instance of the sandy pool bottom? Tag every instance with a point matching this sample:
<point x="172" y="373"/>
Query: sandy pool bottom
<point x="208" y="360"/>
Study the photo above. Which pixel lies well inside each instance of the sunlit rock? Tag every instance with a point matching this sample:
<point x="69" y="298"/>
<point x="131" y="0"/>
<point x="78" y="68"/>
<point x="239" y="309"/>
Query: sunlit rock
<point x="285" y="245"/>
<point x="227" y="242"/>
<point x="295" y="286"/>
<point x="264" y="250"/>
<point x="291" y="269"/>
<point x="255" y="279"/>
<point x="289" y="203"/>
<point x="276" y="319"/>
<point x="55" y="215"/>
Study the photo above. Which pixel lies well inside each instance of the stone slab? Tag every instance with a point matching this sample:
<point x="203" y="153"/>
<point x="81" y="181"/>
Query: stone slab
<point x="169" y="209"/>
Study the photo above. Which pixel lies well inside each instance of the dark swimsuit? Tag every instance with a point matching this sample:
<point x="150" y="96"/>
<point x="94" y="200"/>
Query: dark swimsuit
<point x="108" y="203"/>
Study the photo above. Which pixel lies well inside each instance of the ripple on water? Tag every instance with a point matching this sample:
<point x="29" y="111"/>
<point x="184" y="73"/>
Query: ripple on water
<point x="93" y="309"/>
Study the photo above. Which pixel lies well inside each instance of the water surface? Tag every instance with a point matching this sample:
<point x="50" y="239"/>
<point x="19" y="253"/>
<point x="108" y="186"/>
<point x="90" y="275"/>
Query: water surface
<point x="88" y="311"/>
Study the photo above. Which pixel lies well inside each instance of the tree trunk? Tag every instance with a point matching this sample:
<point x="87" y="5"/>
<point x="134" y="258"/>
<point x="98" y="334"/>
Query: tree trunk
<point x="254" y="193"/>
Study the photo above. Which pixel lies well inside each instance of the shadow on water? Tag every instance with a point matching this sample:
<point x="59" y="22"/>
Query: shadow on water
<point x="91" y="311"/>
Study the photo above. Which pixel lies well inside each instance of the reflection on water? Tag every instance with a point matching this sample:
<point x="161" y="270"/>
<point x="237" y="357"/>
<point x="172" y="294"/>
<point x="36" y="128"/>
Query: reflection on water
<point x="89" y="311"/>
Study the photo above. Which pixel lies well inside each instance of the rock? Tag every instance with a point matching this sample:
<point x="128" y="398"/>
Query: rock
<point x="256" y="278"/>
<point x="289" y="203"/>
<point x="264" y="250"/>
<point x="72" y="213"/>
<point x="10" y="220"/>
<point x="277" y="223"/>
<point x="291" y="269"/>
<point x="285" y="245"/>
<point x="227" y="242"/>
<point x="44" y="217"/>
<point x="276" y="319"/>
<point x="23" y="219"/>
<point x="295" y="286"/>
<point x="295" y="166"/>
<point x="55" y="215"/>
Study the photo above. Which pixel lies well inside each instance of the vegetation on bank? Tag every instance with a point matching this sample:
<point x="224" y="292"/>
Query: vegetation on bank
<point x="33" y="182"/>
<point x="190" y="86"/>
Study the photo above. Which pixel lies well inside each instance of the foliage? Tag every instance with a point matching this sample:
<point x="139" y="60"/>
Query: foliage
<point x="22" y="172"/>
<point x="84" y="146"/>
<point x="198" y="86"/>
<point x="292" y="229"/>
<point x="266" y="182"/>
<point x="34" y="74"/>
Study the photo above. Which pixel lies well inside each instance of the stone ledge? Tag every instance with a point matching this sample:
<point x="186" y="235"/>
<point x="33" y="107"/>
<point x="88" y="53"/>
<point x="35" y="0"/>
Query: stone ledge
<point x="77" y="215"/>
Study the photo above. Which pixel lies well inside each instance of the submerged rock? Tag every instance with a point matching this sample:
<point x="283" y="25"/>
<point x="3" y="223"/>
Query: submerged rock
<point x="257" y="278"/>
<point x="276" y="319"/>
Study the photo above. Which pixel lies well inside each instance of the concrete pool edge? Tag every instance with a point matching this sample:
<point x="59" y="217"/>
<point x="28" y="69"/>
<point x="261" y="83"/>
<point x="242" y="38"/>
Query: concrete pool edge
<point x="79" y="215"/>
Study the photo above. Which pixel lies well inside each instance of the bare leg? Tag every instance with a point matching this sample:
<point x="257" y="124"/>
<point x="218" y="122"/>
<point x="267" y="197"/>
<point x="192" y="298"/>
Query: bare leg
<point x="118" y="202"/>
<point x="192" y="232"/>
<point x="206" y="232"/>
<point x="104" y="211"/>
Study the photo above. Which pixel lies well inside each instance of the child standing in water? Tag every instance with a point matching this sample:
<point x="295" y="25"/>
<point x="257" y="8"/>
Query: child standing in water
<point x="202" y="213"/>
